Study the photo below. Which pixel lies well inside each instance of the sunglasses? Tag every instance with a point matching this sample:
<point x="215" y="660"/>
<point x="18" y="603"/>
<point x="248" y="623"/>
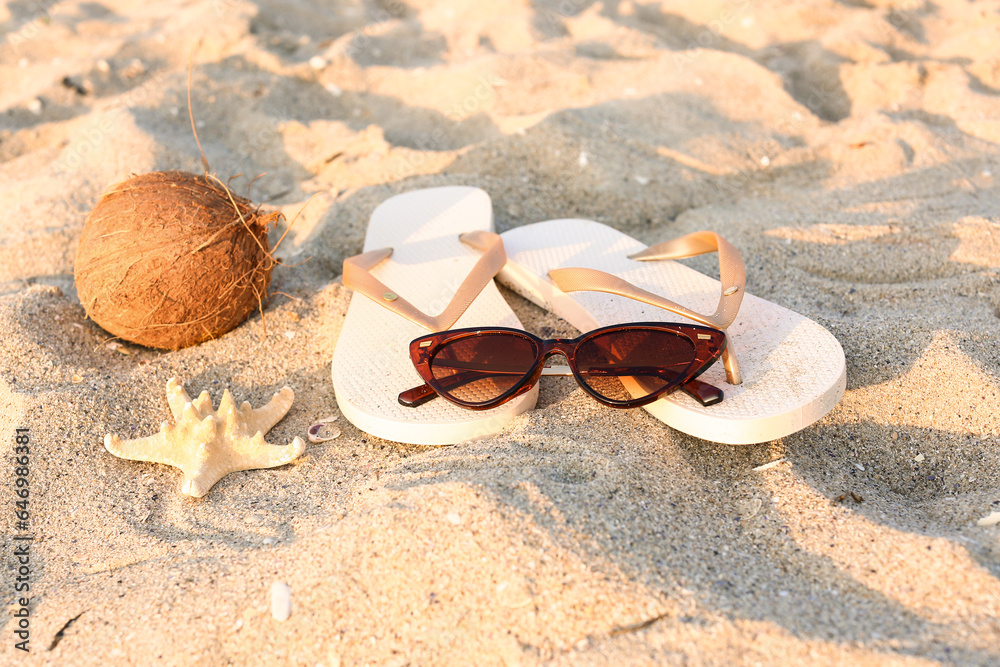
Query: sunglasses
<point x="622" y="366"/>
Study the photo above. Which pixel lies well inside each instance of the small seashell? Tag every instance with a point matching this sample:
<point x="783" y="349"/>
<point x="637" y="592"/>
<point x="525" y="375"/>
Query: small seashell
<point x="918" y="458"/>
<point x="315" y="429"/>
<point x="768" y="466"/>
<point x="76" y="379"/>
<point x="281" y="601"/>
<point x="749" y="508"/>
<point x="991" y="520"/>
<point x="135" y="68"/>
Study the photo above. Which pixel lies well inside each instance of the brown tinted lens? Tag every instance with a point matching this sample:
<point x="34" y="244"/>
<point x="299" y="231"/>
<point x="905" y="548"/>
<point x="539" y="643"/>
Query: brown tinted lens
<point x="481" y="368"/>
<point x="629" y="364"/>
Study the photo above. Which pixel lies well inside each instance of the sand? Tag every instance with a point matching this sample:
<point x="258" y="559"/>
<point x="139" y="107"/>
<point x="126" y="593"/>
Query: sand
<point x="849" y="149"/>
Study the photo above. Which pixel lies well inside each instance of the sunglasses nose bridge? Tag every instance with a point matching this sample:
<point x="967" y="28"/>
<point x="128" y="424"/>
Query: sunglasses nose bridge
<point x="561" y="346"/>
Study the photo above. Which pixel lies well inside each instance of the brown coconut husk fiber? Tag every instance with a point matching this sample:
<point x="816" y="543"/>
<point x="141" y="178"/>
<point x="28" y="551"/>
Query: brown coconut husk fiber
<point x="172" y="259"/>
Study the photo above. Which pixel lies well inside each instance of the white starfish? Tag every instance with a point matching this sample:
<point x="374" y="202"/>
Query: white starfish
<point x="209" y="444"/>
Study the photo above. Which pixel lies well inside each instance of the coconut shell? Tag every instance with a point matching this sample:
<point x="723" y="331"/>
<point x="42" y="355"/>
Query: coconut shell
<point x="172" y="259"/>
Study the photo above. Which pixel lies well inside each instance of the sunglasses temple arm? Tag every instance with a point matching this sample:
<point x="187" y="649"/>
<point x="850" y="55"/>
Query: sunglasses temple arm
<point x="704" y="393"/>
<point x="416" y="396"/>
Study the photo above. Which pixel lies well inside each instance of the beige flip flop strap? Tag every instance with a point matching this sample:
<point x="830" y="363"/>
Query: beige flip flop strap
<point x="357" y="276"/>
<point x="731" y="269"/>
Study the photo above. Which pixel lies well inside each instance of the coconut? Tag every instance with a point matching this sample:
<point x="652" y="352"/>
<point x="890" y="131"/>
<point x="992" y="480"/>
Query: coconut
<point x="171" y="259"/>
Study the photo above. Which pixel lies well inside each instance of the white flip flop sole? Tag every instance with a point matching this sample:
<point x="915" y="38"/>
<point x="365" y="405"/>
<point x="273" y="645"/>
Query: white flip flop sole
<point x="793" y="369"/>
<point x="371" y="361"/>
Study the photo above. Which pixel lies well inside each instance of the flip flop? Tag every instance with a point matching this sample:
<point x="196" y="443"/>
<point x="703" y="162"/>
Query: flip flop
<point x="792" y="369"/>
<point x="415" y="263"/>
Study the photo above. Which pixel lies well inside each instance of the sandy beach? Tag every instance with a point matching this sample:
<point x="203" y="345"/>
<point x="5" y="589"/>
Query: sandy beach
<point x="849" y="149"/>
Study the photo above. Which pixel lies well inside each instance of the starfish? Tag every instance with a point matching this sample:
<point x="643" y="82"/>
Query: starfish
<point x="209" y="444"/>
